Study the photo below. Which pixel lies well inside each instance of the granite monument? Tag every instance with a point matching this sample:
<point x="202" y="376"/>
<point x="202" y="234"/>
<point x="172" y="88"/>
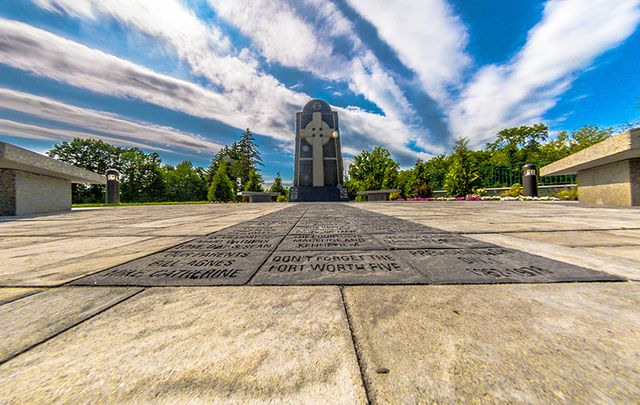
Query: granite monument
<point x="318" y="169"/>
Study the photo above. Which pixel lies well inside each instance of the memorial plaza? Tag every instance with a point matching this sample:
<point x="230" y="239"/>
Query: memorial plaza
<point x="379" y="302"/>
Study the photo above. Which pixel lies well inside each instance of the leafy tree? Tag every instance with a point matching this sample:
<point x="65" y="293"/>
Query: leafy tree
<point x="374" y="170"/>
<point x="184" y="183"/>
<point x="90" y="154"/>
<point x="517" y="145"/>
<point x="141" y="179"/>
<point x="254" y="182"/>
<point x="462" y="176"/>
<point x="277" y="186"/>
<point x="221" y="188"/>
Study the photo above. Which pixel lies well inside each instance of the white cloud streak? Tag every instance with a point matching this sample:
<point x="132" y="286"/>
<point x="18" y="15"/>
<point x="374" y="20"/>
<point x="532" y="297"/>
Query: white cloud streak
<point x="570" y="36"/>
<point x="149" y="135"/>
<point x="427" y="37"/>
<point x="28" y="131"/>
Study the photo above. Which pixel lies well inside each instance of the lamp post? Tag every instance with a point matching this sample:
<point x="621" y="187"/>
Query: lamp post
<point x="530" y="180"/>
<point x="113" y="186"/>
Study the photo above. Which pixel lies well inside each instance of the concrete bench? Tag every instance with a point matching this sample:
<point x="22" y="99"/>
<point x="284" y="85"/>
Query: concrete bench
<point x="378" y="195"/>
<point x="608" y="172"/>
<point x="258" y="196"/>
<point x="31" y="183"/>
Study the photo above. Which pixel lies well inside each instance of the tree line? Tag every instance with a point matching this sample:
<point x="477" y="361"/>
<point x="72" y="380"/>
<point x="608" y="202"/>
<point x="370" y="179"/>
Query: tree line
<point x="464" y="171"/>
<point x="145" y="179"/>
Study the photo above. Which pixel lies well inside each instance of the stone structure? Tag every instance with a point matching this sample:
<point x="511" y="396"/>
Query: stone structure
<point x="318" y="170"/>
<point x="608" y="172"/>
<point x="257" y="196"/>
<point x="31" y="183"/>
<point x="379" y="195"/>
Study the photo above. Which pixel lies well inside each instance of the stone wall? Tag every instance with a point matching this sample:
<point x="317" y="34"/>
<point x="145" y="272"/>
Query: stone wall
<point x="610" y="184"/>
<point x="7" y="192"/>
<point x="35" y="193"/>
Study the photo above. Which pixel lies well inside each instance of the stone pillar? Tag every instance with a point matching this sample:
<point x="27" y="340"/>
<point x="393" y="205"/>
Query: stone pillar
<point x="113" y="186"/>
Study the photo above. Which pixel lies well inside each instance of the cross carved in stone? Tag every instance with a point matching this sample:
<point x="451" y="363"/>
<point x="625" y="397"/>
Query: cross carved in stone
<point x="317" y="134"/>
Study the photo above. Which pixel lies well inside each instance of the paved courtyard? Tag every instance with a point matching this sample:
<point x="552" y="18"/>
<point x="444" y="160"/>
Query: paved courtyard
<point x="342" y="303"/>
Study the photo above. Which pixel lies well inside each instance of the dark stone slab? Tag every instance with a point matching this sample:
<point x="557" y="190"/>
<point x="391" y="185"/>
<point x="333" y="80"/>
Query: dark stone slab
<point x="231" y="241"/>
<point x="183" y="267"/>
<point x="395" y="226"/>
<point x="310" y="242"/>
<point x="321" y="229"/>
<point x="428" y="241"/>
<point x="353" y="267"/>
<point x="495" y="265"/>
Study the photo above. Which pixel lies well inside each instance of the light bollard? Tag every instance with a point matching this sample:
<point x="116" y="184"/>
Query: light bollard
<point x="113" y="186"/>
<point x="530" y="180"/>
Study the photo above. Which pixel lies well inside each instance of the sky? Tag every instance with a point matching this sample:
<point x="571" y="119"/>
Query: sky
<point x="185" y="77"/>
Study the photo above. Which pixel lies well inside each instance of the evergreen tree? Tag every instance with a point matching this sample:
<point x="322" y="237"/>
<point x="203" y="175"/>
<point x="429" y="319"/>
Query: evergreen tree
<point x="463" y="175"/>
<point x="277" y="186"/>
<point x="254" y="181"/>
<point x="221" y="188"/>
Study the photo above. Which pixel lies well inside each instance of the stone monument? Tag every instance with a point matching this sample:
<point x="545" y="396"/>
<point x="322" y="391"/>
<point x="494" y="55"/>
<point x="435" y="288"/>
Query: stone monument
<point x="318" y="169"/>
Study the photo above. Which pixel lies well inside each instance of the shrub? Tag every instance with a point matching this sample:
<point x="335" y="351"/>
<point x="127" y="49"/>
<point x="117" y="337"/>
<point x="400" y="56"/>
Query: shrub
<point x="394" y="196"/>
<point x="282" y="198"/>
<point x="424" y="191"/>
<point x="568" y="195"/>
<point x="515" y="191"/>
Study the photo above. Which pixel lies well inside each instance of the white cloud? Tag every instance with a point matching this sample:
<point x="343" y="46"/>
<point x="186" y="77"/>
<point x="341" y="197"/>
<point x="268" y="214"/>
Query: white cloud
<point x="282" y="34"/>
<point x="27" y="48"/>
<point x="28" y="131"/>
<point x="142" y="133"/>
<point x="427" y="37"/>
<point x="570" y="36"/>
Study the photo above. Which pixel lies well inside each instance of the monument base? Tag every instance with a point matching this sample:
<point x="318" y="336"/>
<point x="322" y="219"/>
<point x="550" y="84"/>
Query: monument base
<point x="319" y="194"/>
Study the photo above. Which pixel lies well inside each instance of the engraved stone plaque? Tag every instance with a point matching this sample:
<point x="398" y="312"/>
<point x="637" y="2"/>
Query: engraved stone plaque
<point x="353" y="267"/>
<point x="182" y="267"/>
<point x="429" y="241"/>
<point x="495" y="265"/>
<point x="328" y="242"/>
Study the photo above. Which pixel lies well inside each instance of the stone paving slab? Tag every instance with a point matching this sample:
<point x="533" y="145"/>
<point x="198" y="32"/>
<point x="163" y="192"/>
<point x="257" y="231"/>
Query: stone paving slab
<point x="496" y="265"/>
<point x="194" y="345"/>
<point x="12" y="294"/>
<point x="352" y="267"/>
<point x="574" y="343"/>
<point x="311" y="249"/>
<point x="31" y="320"/>
<point x="184" y="267"/>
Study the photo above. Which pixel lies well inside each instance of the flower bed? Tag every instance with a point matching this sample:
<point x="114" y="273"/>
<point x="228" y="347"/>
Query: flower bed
<point x="482" y="198"/>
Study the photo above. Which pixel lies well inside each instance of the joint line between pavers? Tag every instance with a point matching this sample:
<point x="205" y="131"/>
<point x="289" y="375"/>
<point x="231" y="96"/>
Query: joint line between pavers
<point x="23" y="296"/>
<point x="354" y="341"/>
<point x="72" y="326"/>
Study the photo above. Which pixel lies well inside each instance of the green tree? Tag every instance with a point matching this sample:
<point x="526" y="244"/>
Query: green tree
<point x="277" y="186"/>
<point x="518" y="145"/>
<point x="184" y="183"/>
<point x="254" y="181"/>
<point x="462" y="176"/>
<point x="374" y="170"/>
<point x="90" y="154"/>
<point x="221" y="188"/>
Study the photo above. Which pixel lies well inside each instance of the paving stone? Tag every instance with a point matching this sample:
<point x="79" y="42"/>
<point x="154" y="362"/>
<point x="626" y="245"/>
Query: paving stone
<point x="496" y="265"/>
<point x="540" y="343"/>
<point x="31" y="320"/>
<point x="429" y="241"/>
<point x="198" y="345"/>
<point x="232" y="242"/>
<point x="311" y="242"/>
<point x="12" y="294"/>
<point x="183" y="267"/>
<point x="352" y="267"/>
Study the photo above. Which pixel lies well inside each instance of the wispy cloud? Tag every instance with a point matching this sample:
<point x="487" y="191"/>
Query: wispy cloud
<point x="28" y="131"/>
<point x="570" y="36"/>
<point x="104" y="125"/>
<point x="427" y="37"/>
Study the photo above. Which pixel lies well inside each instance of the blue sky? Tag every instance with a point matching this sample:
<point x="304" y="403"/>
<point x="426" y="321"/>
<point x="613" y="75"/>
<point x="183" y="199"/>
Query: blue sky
<point x="184" y="77"/>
